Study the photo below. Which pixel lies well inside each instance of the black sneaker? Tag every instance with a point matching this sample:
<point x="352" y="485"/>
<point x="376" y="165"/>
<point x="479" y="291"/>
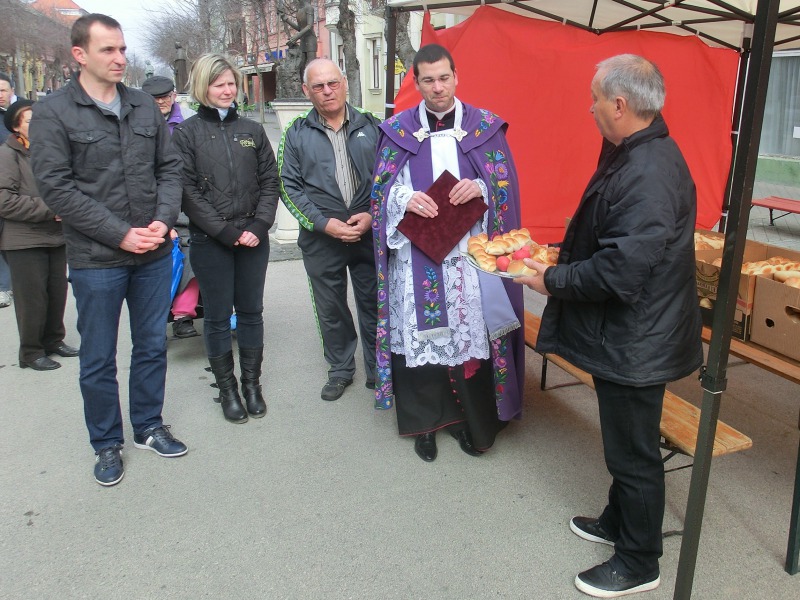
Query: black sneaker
<point x="108" y="469"/>
<point x="334" y="389"/>
<point x="184" y="328"/>
<point x="370" y="385"/>
<point x="603" y="581"/>
<point x="160" y="441"/>
<point x="590" y="529"/>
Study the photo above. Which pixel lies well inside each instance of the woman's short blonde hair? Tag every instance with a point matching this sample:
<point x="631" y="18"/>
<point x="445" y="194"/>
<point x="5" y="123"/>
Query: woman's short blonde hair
<point x="205" y="71"/>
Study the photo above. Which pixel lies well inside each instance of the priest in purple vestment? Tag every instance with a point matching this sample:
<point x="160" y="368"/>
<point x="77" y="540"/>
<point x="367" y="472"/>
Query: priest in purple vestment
<point x="450" y="351"/>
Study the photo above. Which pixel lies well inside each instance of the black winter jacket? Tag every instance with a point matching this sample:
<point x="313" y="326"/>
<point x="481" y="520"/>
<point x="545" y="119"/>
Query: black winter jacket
<point x="103" y="175"/>
<point x="308" y="166"/>
<point x="230" y="178"/>
<point x="624" y="301"/>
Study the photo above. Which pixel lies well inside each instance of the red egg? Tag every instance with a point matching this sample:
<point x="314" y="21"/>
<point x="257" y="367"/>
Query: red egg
<point x="524" y="252"/>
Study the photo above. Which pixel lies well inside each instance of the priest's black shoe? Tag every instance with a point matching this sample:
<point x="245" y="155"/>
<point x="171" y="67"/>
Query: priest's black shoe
<point x="465" y="441"/>
<point x="64" y="350"/>
<point x="425" y="446"/>
<point x="43" y="363"/>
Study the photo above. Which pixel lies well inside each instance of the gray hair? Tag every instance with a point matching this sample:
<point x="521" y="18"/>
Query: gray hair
<point x="316" y="61"/>
<point x="637" y="80"/>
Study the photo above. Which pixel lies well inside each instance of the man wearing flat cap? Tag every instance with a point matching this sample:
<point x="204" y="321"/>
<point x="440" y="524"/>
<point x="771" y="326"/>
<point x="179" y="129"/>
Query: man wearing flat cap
<point x="185" y="302"/>
<point x="163" y="92"/>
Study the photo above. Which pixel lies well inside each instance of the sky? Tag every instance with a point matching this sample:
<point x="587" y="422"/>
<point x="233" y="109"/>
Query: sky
<point x="133" y="15"/>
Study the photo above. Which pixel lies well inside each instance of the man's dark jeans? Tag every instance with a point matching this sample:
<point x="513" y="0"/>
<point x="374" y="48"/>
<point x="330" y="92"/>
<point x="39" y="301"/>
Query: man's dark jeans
<point x="630" y="420"/>
<point x="99" y="294"/>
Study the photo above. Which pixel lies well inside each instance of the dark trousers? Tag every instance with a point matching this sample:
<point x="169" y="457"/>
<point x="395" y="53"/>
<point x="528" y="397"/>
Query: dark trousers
<point x="230" y="278"/>
<point x="99" y="294"/>
<point x="39" y="281"/>
<point x="630" y="419"/>
<point x="327" y="261"/>
<point x="5" y="275"/>
<point x="431" y="397"/>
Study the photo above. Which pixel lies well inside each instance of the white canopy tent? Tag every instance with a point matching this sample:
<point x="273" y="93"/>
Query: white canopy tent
<point x="717" y="23"/>
<point x="754" y="28"/>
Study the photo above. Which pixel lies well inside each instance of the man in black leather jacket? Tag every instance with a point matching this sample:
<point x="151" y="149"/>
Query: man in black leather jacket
<point x="623" y="306"/>
<point x="101" y="155"/>
<point x="325" y="162"/>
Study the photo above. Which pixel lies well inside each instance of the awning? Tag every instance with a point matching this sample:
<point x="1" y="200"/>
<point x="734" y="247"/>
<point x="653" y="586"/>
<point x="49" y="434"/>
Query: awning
<point x="714" y="21"/>
<point x="253" y="70"/>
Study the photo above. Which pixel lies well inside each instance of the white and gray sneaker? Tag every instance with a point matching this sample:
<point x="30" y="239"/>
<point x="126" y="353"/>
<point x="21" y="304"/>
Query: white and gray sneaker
<point x="5" y="298"/>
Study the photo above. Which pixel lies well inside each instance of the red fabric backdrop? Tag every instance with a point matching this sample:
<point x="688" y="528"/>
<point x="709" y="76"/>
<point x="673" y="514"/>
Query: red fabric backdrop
<point x="536" y="75"/>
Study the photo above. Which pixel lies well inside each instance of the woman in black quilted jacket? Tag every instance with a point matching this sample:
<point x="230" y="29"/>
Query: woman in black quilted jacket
<point x="230" y="194"/>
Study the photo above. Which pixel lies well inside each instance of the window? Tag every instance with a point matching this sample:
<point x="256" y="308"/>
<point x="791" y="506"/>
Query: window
<point x="781" y="130"/>
<point x="375" y="52"/>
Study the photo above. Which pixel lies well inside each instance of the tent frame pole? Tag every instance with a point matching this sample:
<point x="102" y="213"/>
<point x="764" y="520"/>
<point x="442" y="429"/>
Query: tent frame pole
<point x="736" y="125"/>
<point x="713" y="378"/>
<point x="391" y="51"/>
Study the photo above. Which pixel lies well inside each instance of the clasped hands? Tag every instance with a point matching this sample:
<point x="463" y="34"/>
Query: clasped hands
<point x="422" y="204"/>
<point x="140" y="240"/>
<point x="351" y="231"/>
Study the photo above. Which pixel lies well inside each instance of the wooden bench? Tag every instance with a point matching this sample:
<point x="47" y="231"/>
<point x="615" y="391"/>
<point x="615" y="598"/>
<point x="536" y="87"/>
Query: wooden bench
<point x="776" y="203"/>
<point x="679" y="419"/>
<point x="762" y="357"/>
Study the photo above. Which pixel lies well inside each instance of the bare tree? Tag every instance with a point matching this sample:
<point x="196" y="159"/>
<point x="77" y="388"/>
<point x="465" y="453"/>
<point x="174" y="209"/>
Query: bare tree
<point x="199" y="26"/>
<point x="347" y="31"/>
<point x="135" y="71"/>
<point x="28" y="38"/>
<point x="404" y="50"/>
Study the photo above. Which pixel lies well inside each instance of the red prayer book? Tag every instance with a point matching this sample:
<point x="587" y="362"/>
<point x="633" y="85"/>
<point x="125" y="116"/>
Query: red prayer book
<point x="437" y="236"/>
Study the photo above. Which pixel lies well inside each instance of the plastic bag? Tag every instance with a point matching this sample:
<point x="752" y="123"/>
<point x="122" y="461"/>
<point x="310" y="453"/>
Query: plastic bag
<point x="177" y="267"/>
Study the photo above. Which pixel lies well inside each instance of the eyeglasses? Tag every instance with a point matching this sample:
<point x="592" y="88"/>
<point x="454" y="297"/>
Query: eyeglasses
<point x="332" y="84"/>
<point x="429" y="81"/>
<point x="161" y="99"/>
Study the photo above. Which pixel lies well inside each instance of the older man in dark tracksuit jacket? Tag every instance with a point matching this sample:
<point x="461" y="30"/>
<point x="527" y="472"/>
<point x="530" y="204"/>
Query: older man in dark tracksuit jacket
<point x="102" y="157"/>
<point x="623" y="307"/>
<point x="325" y="161"/>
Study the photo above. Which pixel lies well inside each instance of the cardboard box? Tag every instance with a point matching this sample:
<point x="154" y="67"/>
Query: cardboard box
<point x="708" y="281"/>
<point x="740" y="328"/>
<point x="776" y="317"/>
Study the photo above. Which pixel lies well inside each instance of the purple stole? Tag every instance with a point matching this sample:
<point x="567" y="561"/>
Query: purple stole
<point x="428" y="276"/>
<point x="483" y="153"/>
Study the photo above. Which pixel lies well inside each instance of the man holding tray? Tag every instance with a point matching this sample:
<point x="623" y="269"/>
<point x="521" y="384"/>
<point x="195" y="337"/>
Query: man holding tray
<point x="623" y="307"/>
<point x="449" y="347"/>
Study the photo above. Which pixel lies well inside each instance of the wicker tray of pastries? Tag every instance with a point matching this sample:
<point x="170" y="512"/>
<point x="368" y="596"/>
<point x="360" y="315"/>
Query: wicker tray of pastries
<point x="503" y="255"/>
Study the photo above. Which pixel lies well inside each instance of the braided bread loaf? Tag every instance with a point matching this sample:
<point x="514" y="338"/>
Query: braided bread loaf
<point x="516" y="245"/>
<point x="775" y="264"/>
<point x="476" y="246"/>
<point x="506" y="243"/>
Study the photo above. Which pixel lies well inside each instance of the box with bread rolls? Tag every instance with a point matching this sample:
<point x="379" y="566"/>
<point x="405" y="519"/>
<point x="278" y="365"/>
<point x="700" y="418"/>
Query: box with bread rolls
<point x="759" y="259"/>
<point x="708" y="260"/>
<point x="776" y="314"/>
